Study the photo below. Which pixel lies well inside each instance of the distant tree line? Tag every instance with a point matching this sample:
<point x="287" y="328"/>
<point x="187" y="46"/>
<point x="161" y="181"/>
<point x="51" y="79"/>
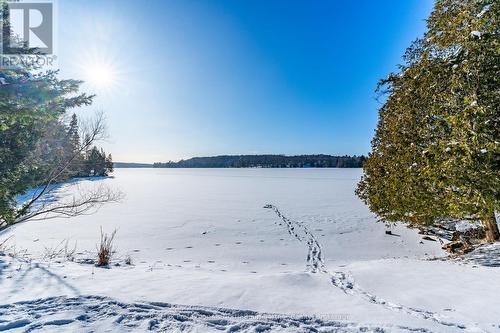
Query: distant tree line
<point x="125" y="165"/>
<point x="267" y="161"/>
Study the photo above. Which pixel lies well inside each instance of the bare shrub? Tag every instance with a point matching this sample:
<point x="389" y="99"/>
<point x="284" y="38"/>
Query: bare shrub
<point x="105" y="249"/>
<point x="16" y="252"/>
<point x="61" y="250"/>
<point x="12" y="250"/>
<point x="3" y="245"/>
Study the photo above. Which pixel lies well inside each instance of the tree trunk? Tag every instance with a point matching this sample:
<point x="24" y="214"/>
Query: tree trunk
<point x="491" y="228"/>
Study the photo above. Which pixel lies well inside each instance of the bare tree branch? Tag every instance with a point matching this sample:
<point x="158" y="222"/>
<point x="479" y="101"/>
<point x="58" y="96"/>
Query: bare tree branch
<point x="91" y="132"/>
<point x="86" y="202"/>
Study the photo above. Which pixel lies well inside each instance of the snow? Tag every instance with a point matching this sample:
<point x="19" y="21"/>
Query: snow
<point x="476" y="33"/>
<point x="239" y="250"/>
<point x="484" y="10"/>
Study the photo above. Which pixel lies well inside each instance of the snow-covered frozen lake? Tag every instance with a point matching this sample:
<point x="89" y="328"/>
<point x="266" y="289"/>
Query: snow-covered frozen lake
<point x="289" y="241"/>
<point x="174" y="215"/>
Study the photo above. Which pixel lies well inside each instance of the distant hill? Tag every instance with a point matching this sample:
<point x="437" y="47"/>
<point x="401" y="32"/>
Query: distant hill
<point x="267" y="161"/>
<point x="119" y="165"/>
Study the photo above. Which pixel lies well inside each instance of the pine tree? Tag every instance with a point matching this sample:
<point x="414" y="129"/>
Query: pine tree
<point x="35" y="145"/>
<point x="101" y="163"/>
<point x="109" y="164"/>
<point x="29" y="104"/>
<point x="73" y="147"/>
<point x="96" y="163"/>
<point x="434" y="153"/>
<point x="74" y="137"/>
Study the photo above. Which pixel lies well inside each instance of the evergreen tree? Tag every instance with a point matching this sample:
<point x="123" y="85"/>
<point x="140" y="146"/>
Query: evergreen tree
<point x="109" y="164"/>
<point x="96" y="163"/>
<point x="434" y="153"/>
<point x="35" y="144"/>
<point x="73" y="147"/>
<point x="29" y="104"/>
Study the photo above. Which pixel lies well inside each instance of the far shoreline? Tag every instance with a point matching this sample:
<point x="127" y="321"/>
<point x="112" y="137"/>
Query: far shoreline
<point x="256" y="161"/>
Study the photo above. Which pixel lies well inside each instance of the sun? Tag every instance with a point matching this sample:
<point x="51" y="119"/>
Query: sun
<point x="102" y="70"/>
<point x="100" y="75"/>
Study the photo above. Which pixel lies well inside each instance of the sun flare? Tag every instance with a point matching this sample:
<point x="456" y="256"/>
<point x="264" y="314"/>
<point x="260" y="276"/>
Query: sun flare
<point x="100" y="75"/>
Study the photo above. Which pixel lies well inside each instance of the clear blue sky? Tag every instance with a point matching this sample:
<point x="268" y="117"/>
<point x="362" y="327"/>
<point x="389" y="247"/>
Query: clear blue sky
<point x="192" y="78"/>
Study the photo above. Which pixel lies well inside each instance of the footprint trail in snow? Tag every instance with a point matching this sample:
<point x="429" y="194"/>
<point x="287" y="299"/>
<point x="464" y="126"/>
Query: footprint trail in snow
<point x="315" y="264"/>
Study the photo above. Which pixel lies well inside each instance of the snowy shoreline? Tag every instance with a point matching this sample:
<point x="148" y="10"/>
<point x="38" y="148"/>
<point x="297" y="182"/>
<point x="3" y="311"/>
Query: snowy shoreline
<point x="39" y="294"/>
<point x="254" y="240"/>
